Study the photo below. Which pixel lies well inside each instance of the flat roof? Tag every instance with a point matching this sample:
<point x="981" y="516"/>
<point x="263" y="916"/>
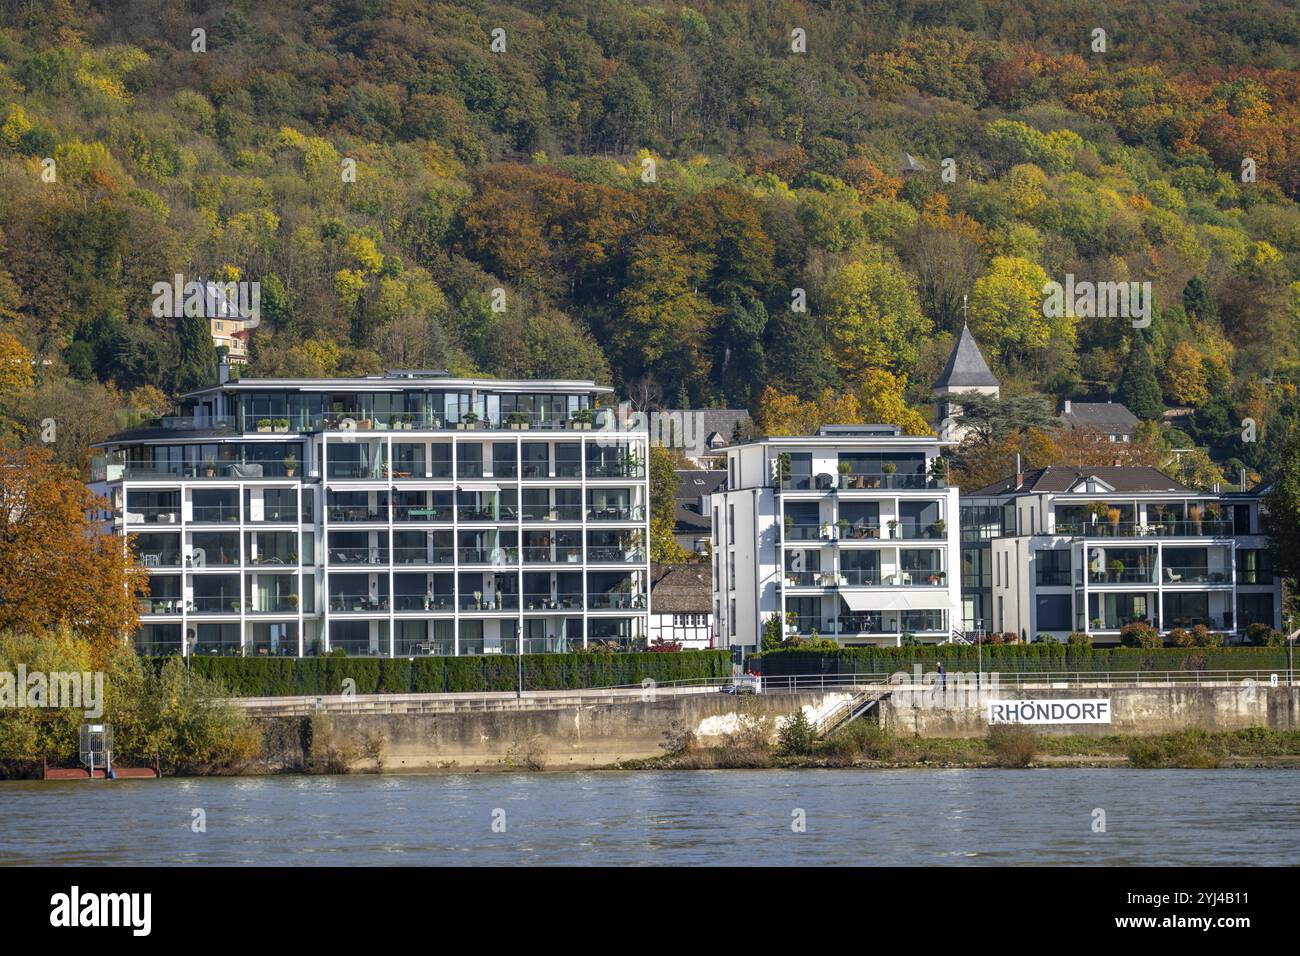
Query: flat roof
<point x="399" y="383"/>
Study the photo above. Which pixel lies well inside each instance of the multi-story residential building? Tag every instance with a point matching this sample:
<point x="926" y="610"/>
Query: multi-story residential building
<point x="392" y="515"/>
<point x="847" y="532"/>
<point x="1058" y="550"/>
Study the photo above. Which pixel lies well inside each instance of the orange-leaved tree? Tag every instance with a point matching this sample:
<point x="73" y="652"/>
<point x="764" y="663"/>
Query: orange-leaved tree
<point x="58" y="567"/>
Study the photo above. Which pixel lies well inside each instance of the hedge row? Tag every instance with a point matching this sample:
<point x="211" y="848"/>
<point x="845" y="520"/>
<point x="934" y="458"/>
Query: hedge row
<point x="279" y="677"/>
<point x="1016" y="658"/>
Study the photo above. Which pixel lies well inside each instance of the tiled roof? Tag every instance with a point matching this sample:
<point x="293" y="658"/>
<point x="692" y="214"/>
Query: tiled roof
<point x="966" y="365"/>
<point x="1058" y="478"/>
<point x="682" y="589"/>
<point x="1113" y="416"/>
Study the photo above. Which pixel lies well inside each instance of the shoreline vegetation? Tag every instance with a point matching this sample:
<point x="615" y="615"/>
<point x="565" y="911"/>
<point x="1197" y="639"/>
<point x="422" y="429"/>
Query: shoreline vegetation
<point x="867" y="745"/>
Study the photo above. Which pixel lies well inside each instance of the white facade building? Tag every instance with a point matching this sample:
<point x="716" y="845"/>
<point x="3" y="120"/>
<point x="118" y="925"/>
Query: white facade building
<point x="1091" y="550"/>
<point x="388" y="515"/>
<point x="845" y="532"/>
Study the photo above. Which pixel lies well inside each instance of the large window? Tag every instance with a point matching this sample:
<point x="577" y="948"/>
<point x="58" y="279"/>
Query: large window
<point x="1054" y="612"/>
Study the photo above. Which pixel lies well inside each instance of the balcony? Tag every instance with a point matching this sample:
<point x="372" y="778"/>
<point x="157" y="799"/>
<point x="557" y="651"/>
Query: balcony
<point x="215" y="514"/>
<point x="598" y="469"/>
<point x="423" y="602"/>
<point x="420" y="513"/>
<point x="1121" y="575"/>
<point x="615" y="600"/>
<point x="548" y="513"/>
<point x="853" y="482"/>
<point x="159" y="559"/>
<point x="153" y="515"/>
<point x="1131" y="529"/>
<point x="630" y="513"/>
<point x="571" y="601"/>
<point x="348" y="513"/>
<point x="558" y="555"/>
<point x="488" y="555"/>
<point x="367" y="556"/>
<point x="1174" y="574"/>
<point x="615" y="555"/>
<point x="161" y="605"/>
<point x="357" y="604"/>
<point x="215" y="605"/>
<point x="420" y="555"/>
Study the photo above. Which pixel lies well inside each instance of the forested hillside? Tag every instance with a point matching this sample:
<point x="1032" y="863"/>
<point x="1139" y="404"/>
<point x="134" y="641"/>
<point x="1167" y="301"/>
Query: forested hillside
<point x="771" y="170"/>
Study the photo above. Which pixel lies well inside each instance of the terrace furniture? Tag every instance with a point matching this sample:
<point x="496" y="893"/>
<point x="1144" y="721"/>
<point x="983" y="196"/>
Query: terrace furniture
<point x="1171" y="575"/>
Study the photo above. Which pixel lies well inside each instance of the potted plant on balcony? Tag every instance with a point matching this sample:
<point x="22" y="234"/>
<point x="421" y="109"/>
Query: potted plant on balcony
<point x="293" y="601"/>
<point x="290" y="464"/>
<point x="1116" y="570"/>
<point x="939" y="529"/>
<point x="210" y="466"/>
<point x="844" y="467"/>
<point x="264" y="424"/>
<point x="843" y="526"/>
<point x="581" y="419"/>
<point x="935" y="578"/>
<point x="1212" y="515"/>
<point x="280" y="425"/>
<point x="783" y="462"/>
<point x="887" y="469"/>
<point x="1113" y="516"/>
<point x="1194" y="518"/>
<point x="893" y="528"/>
<point x="789" y="525"/>
<point x="826" y="530"/>
<point x="518" y="420"/>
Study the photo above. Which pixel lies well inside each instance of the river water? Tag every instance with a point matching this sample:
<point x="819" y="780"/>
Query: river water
<point x="684" y="818"/>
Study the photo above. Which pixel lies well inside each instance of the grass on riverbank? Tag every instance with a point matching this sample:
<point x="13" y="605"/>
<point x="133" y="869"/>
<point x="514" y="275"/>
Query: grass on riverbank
<point x="867" y="744"/>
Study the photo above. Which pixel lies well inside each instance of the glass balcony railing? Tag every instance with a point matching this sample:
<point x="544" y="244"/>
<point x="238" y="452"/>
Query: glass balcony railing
<point x="1176" y="574"/>
<point x="357" y="555"/>
<point x="859" y="577"/>
<point x="421" y="513"/>
<point x="345" y="513"/>
<point x="153" y="515"/>
<point x="423" y="602"/>
<point x="854" y="482"/>
<point x="628" y="513"/>
<point x="488" y="555"/>
<point x="615" y="600"/>
<point x="1130" y="529"/>
<point x="1121" y="576"/>
<point x="560" y="601"/>
<point x="617" y="555"/>
<point x="556" y="555"/>
<point x="215" y="605"/>
<point x="421" y="555"/>
<point x="357" y="603"/>
<point x="552" y="512"/>
<point x="803" y="579"/>
<point x="601" y="469"/>
<point x="215" y="514"/>
<point x="802" y="532"/>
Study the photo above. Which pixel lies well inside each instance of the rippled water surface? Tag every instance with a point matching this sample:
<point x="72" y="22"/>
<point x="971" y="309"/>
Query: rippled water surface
<point x="962" y="817"/>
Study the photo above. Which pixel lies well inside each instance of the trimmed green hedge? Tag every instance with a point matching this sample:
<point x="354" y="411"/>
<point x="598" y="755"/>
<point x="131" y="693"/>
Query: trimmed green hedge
<point x="289" y="676"/>
<point x="1015" y="658"/>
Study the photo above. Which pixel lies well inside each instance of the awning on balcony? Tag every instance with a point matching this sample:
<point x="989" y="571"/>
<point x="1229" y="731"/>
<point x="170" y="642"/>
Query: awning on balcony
<point x="474" y="486"/>
<point x="885" y="601"/>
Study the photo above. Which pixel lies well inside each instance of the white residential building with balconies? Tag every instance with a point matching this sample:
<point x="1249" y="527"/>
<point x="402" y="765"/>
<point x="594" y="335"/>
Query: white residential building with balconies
<point x="386" y="515"/>
<point x="1091" y="550"/>
<point x="846" y="532"/>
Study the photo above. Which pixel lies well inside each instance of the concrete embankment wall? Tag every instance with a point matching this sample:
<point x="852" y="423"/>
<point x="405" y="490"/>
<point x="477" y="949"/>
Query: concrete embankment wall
<point x="563" y="738"/>
<point x="1133" y="710"/>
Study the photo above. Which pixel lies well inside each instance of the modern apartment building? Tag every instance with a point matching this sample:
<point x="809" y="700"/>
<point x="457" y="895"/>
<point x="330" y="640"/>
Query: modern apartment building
<point x="387" y="515"/>
<point x="847" y="532"/>
<point x="1058" y="549"/>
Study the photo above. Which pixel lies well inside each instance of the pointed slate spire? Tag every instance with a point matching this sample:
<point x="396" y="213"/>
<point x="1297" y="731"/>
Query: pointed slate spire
<point x="966" y="366"/>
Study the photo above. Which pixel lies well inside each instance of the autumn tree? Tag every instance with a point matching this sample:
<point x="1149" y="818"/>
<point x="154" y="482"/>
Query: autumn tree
<point x="60" y="567"/>
<point x="664" y="480"/>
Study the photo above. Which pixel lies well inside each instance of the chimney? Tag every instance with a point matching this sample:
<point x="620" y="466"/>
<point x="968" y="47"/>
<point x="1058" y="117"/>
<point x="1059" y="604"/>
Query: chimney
<point x="1067" y="407"/>
<point x="1118" y="463"/>
<point x="1020" y="478"/>
<point x="223" y="369"/>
